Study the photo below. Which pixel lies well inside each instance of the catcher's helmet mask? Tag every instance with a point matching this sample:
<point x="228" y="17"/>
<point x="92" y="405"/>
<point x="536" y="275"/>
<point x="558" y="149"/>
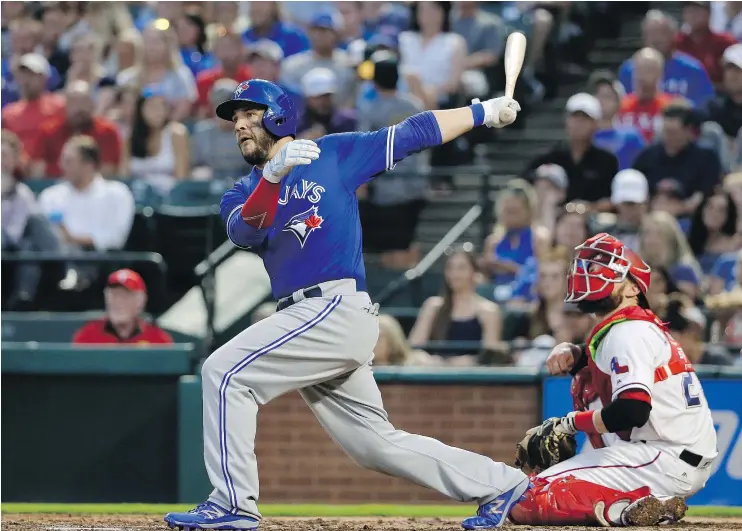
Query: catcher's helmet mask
<point x="280" y="117"/>
<point x="599" y="264"/>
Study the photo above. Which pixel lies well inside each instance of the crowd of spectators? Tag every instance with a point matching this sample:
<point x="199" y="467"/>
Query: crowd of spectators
<point x="96" y="91"/>
<point x="651" y="154"/>
<point x="140" y="81"/>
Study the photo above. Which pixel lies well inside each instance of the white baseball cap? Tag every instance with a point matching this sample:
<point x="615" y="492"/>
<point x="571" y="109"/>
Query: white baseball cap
<point x="629" y="186"/>
<point x="319" y="81"/>
<point x="585" y="103"/>
<point x="733" y="55"/>
<point x="36" y="63"/>
<point x="553" y="173"/>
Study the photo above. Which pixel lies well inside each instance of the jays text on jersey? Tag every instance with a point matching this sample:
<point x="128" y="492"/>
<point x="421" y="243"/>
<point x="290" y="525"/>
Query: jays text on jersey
<point x="316" y="233"/>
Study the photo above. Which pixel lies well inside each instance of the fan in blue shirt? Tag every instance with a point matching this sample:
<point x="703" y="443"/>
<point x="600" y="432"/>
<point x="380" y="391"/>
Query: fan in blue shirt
<point x="266" y="24"/>
<point x="684" y="75"/>
<point x="626" y="141"/>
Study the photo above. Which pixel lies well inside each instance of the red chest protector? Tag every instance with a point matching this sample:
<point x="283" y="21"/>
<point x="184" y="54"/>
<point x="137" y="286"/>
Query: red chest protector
<point x="598" y="384"/>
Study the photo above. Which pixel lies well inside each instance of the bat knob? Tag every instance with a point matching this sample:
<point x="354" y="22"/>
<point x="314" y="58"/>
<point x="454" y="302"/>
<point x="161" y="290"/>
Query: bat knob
<point x="507" y="116"/>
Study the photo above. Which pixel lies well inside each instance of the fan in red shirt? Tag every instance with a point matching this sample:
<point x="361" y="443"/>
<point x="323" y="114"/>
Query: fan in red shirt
<point x="230" y="52"/>
<point x="77" y="119"/>
<point x="697" y="39"/>
<point x="126" y="297"/>
<point x="36" y="105"/>
<point x="643" y="108"/>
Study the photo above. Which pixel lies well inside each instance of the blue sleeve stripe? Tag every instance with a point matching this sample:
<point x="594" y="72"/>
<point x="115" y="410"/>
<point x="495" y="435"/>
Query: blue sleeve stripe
<point x="229" y="232"/>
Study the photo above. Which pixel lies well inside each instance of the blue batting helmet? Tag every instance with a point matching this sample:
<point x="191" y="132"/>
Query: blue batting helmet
<point x="280" y="114"/>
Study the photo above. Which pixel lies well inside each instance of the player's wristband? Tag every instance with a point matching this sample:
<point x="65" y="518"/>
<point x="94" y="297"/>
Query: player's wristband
<point x="583" y="421"/>
<point x="477" y="111"/>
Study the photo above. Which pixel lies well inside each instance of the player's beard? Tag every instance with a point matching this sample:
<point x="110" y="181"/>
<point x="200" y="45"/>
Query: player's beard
<point x="261" y="145"/>
<point x="603" y="306"/>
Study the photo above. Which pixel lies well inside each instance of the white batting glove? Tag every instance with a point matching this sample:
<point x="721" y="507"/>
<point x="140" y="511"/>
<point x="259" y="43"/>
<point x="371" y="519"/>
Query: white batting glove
<point x="295" y="153"/>
<point x="492" y="110"/>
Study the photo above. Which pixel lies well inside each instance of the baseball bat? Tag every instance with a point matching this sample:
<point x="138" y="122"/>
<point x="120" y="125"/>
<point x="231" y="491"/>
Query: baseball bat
<point x="515" y="53"/>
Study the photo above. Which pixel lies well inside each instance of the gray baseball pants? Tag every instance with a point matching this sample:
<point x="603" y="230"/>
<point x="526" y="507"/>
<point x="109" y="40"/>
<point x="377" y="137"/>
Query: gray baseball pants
<point x="322" y="347"/>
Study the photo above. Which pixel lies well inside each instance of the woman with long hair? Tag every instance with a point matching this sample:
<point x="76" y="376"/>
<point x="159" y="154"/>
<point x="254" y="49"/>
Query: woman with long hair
<point x="161" y="65"/>
<point x="663" y="245"/>
<point x="459" y="313"/>
<point x="545" y="316"/>
<point x="86" y="54"/>
<point x="516" y="237"/>
<point x="551" y="286"/>
<point x="191" y="31"/>
<point x="158" y="149"/>
<point x="713" y="228"/>
<point x="571" y="228"/>
<point x="432" y="57"/>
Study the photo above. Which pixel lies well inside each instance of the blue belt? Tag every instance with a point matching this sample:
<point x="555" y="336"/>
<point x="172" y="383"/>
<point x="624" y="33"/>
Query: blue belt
<point x="308" y="293"/>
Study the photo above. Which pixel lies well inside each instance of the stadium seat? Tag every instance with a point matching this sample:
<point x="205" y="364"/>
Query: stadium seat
<point x="196" y="193"/>
<point x="184" y="237"/>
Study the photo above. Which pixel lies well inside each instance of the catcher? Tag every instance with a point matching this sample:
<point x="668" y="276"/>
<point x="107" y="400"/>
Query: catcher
<point x="635" y="390"/>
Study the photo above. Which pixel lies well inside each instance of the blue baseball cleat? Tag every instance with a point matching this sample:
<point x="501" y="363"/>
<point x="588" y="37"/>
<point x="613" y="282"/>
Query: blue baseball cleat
<point x="494" y="513"/>
<point x="209" y="515"/>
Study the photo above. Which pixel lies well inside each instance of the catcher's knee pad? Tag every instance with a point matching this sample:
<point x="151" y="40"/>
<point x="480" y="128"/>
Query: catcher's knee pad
<point x="571" y="501"/>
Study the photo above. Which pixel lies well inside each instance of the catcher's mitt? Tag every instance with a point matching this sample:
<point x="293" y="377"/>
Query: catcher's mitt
<point x="543" y="446"/>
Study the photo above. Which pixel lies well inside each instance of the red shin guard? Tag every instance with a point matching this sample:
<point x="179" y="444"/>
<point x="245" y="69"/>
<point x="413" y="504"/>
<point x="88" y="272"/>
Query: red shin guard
<point x="571" y="501"/>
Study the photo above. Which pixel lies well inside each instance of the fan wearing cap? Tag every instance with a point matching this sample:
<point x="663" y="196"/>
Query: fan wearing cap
<point x="125" y="298"/>
<point x="321" y="115"/>
<point x="630" y="198"/>
<point x="24" y="38"/>
<point x="726" y="108"/>
<point x="697" y="40"/>
<point x="31" y="71"/>
<point x="324" y="36"/>
<point x="648" y="393"/>
<point x="590" y="169"/>
<point x="625" y="141"/>
<point x="550" y="182"/>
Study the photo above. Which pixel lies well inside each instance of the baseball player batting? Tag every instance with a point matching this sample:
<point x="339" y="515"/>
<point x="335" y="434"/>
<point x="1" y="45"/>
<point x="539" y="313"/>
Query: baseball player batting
<point x="650" y="397"/>
<point x="298" y="210"/>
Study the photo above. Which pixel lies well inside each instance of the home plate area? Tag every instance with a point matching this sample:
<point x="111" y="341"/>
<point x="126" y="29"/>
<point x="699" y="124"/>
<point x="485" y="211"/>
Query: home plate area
<point x="62" y="522"/>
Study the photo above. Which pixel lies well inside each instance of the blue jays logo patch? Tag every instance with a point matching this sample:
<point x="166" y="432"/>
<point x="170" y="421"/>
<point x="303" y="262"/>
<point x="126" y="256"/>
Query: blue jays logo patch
<point x="240" y="88"/>
<point x="617" y="367"/>
<point x="302" y="225"/>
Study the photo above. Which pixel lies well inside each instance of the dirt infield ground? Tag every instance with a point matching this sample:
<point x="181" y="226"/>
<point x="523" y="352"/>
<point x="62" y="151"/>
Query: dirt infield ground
<point x="61" y="522"/>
